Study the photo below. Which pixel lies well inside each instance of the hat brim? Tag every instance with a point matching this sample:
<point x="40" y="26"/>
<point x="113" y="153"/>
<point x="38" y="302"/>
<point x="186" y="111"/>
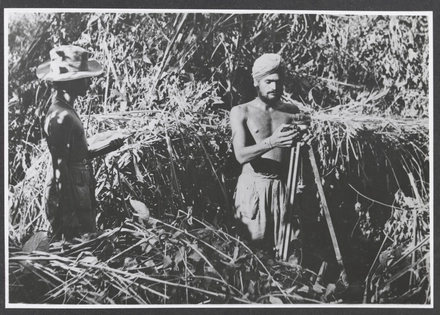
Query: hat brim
<point x="44" y="73"/>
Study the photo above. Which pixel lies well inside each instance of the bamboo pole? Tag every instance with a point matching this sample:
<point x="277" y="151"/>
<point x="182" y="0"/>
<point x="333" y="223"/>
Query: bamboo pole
<point x="414" y="214"/>
<point x="326" y="210"/>
<point x="291" y="188"/>
<point x="282" y="233"/>
<point x="292" y="194"/>
<point x="322" y="270"/>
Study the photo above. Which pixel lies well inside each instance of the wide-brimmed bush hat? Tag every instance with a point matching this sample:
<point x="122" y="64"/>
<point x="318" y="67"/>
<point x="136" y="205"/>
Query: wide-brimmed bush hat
<point x="68" y="63"/>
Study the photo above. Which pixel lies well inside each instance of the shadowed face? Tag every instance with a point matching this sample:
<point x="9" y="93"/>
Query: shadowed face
<point x="81" y="86"/>
<point x="77" y="87"/>
<point x="270" y="88"/>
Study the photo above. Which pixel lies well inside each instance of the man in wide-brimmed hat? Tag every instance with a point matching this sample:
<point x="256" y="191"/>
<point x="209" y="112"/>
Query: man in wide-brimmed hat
<point x="70" y="192"/>
<point x="262" y="133"/>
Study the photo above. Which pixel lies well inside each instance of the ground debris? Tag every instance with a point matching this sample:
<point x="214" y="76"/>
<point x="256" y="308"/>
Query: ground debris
<point x="135" y="265"/>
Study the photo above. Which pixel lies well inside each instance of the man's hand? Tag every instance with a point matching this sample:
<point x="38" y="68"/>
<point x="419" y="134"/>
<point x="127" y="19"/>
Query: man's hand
<point x="102" y="147"/>
<point x="285" y="136"/>
<point x="116" y="144"/>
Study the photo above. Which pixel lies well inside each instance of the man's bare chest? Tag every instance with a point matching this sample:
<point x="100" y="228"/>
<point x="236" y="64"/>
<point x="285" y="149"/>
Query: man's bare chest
<point x="262" y="125"/>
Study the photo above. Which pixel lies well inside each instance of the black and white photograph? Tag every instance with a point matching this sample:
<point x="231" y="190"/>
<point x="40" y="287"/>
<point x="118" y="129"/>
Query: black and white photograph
<point x="161" y="157"/>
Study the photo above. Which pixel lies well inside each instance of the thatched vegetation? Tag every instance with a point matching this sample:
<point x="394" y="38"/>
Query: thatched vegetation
<point x="170" y="81"/>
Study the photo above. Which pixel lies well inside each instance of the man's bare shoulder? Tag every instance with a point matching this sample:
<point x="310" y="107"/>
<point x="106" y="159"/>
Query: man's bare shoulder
<point x="242" y="109"/>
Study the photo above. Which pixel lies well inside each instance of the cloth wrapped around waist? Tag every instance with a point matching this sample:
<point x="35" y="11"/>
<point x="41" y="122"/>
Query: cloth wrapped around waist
<point x="260" y="204"/>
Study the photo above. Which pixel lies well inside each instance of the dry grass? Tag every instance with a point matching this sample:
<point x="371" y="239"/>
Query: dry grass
<point x="184" y="261"/>
<point x="188" y="260"/>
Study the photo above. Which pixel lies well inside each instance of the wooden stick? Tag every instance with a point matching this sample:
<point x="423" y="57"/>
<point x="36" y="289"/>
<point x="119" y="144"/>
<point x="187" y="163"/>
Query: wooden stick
<point x="282" y="232"/>
<point x="290" y="208"/>
<point x="326" y="210"/>
<point x="414" y="214"/>
<point x="322" y="270"/>
<point x="291" y="188"/>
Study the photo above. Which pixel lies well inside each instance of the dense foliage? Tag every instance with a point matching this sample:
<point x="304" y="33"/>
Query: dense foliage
<point x="169" y="83"/>
<point x="146" y="261"/>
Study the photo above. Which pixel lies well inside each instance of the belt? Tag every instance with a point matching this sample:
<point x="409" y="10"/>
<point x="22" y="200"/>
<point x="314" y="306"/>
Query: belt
<point x="81" y="163"/>
<point x="261" y="175"/>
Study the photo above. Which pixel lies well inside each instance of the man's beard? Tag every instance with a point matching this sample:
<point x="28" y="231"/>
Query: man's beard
<point x="270" y="101"/>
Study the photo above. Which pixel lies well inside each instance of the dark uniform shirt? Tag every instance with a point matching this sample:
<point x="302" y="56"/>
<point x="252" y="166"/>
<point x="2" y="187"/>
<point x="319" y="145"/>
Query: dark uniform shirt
<point x="70" y="196"/>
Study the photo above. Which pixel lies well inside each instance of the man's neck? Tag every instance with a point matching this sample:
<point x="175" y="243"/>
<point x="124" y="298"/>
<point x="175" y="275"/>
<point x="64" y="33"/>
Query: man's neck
<point x="66" y="97"/>
<point x="264" y="105"/>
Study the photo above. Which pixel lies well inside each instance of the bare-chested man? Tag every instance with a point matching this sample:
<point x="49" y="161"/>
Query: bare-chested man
<point x="262" y="136"/>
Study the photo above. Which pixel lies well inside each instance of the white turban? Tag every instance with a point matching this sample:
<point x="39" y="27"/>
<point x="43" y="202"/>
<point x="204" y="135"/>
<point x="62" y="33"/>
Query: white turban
<point x="265" y="65"/>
